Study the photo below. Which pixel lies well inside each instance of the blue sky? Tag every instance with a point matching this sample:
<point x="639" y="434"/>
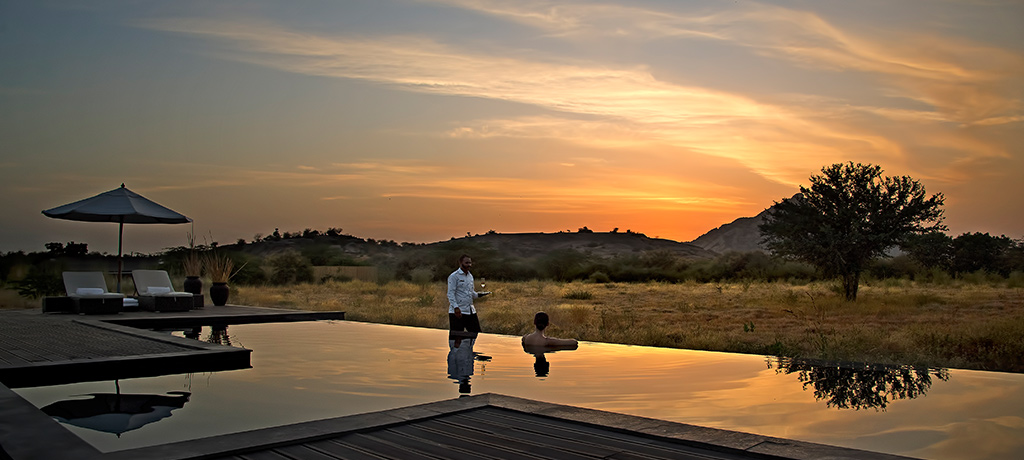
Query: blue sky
<point x="422" y="120"/>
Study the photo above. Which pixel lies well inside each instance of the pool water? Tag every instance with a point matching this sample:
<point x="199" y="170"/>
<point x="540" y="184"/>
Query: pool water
<point x="314" y="370"/>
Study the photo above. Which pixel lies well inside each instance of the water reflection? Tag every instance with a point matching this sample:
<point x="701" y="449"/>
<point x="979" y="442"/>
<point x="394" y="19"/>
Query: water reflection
<point x="218" y="334"/>
<point x="116" y="413"/>
<point x="861" y="386"/>
<point x="460" y="360"/>
<point x="541" y="366"/>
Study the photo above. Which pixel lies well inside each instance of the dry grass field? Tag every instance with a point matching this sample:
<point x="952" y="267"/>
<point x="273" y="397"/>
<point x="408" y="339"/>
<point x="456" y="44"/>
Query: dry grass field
<point x="957" y="325"/>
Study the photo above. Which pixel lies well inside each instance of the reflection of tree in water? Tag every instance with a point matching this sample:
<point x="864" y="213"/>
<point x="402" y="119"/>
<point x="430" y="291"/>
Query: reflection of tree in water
<point x="219" y="335"/>
<point x="860" y="386"/>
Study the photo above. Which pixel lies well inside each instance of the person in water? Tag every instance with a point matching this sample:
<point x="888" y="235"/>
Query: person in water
<point x="538" y="339"/>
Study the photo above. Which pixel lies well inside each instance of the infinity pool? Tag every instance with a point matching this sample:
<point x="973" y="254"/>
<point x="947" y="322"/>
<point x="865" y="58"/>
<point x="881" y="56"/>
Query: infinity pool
<point x="314" y="370"/>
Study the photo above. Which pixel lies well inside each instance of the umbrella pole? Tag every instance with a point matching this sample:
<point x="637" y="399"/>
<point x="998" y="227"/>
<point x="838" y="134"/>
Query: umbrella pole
<point x="120" y="234"/>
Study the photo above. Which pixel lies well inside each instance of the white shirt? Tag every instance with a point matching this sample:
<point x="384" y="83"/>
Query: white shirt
<point x="461" y="292"/>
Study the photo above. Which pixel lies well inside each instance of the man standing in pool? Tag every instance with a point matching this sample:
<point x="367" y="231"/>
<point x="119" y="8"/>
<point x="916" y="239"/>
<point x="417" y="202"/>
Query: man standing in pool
<point x="461" y="292"/>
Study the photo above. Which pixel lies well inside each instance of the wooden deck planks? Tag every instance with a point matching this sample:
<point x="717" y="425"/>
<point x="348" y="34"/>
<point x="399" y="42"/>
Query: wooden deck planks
<point x="486" y="433"/>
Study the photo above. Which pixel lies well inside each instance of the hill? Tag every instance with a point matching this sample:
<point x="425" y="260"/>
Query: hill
<point x="602" y="244"/>
<point x="513" y="245"/>
<point x="740" y="235"/>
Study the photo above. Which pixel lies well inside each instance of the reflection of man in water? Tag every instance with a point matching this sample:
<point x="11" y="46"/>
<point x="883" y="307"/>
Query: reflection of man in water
<point x="460" y="360"/>
<point x="541" y="365"/>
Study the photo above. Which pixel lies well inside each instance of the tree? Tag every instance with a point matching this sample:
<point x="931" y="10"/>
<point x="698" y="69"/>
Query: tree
<point x="981" y="251"/>
<point x="931" y="250"/>
<point x="849" y="217"/>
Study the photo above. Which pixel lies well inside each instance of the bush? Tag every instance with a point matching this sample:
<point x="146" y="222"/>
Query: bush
<point x="599" y="277"/>
<point x="421" y="275"/>
<point x="249" y="272"/>
<point x="936" y="276"/>
<point x="290" y="267"/>
<point x="40" y="282"/>
<point x="578" y="294"/>
<point x="1015" y="280"/>
<point x="981" y="277"/>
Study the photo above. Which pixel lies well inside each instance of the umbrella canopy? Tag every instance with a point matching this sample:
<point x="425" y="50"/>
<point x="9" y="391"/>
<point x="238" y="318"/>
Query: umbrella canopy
<point x="114" y="412"/>
<point x="118" y="205"/>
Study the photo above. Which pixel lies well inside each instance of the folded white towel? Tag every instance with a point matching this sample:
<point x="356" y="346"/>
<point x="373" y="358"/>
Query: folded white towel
<point x="158" y="290"/>
<point x="89" y="291"/>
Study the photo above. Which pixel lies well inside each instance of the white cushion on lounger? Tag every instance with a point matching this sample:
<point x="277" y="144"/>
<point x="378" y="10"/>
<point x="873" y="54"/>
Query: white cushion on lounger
<point x="157" y="290"/>
<point x="89" y="291"/>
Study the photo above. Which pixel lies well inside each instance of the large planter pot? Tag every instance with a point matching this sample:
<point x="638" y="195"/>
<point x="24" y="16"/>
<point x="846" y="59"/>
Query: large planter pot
<point x="193" y="285"/>
<point x="219" y="294"/>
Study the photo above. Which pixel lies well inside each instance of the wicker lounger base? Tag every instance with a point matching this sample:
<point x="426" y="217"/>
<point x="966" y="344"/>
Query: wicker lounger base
<point x="98" y="305"/>
<point x="58" y="305"/>
<point x="165" y="303"/>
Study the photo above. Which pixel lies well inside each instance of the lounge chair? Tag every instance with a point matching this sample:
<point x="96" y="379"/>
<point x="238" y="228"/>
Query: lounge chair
<point x="156" y="293"/>
<point x="89" y="292"/>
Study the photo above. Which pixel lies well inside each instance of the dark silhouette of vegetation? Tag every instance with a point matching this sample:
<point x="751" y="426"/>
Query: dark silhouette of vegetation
<point x="849" y="217"/>
<point x="927" y="257"/>
<point x="71" y="249"/>
<point x="42" y="280"/>
<point x="930" y="250"/>
<point x="863" y="386"/>
<point x="967" y="253"/>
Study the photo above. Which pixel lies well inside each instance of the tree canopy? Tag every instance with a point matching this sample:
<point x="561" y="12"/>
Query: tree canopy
<point x="850" y="216"/>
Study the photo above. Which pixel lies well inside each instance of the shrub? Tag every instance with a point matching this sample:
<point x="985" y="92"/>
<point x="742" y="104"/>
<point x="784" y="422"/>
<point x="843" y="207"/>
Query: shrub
<point x="1015" y="280"/>
<point x="290" y="267"/>
<point x="981" y="277"/>
<point x="936" y="276"/>
<point x="578" y="294"/>
<point x="40" y="282"/>
<point x="599" y="277"/>
<point x="249" y="273"/>
<point x="421" y="275"/>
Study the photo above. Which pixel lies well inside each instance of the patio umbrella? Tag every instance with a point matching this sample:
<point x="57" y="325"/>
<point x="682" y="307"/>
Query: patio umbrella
<point x="115" y="412"/>
<point x="118" y="205"/>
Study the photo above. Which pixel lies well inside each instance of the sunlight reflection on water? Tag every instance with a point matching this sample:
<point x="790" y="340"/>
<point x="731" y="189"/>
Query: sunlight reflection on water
<point x="314" y="370"/>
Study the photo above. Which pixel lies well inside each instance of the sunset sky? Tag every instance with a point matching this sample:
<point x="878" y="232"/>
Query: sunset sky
<point x="420" y="120"/>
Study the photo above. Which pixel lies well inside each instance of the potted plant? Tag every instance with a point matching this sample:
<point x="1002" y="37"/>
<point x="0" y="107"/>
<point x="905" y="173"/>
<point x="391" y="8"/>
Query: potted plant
<point x="219" y="266"/>
<point x="193" y="267"/>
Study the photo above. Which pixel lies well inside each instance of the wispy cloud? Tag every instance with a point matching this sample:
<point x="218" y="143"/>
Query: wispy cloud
<point x="630" y="101"/>
<point x="620" y="106"/>
<point x="963" y="82"/>
<point x="962" y="79"/>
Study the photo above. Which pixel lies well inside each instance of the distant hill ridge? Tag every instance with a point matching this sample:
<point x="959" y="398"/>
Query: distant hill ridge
<point x="521" y="245"/>
<point x="605" y="244"/>
<point x="740" y="235"/>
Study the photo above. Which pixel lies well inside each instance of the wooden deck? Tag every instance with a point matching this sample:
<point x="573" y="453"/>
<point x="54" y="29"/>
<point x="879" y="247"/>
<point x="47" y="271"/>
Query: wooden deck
<point x="488" y="432"/>
<point x="491" y="426"/>
<point x="49" y="349"/>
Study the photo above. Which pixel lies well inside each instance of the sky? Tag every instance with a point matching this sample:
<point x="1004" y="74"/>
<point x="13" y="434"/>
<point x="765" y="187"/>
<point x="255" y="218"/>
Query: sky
<point x="423" y="120"/>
